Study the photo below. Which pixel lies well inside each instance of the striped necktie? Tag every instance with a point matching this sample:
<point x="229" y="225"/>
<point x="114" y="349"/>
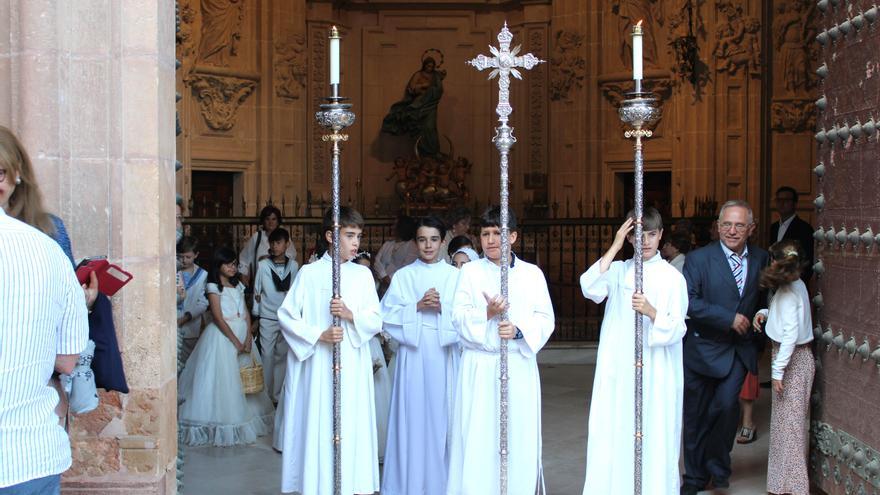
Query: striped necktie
<point x="736" y="266"/>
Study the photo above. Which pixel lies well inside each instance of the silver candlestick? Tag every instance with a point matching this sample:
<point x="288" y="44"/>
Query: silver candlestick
<point x="639" y="111"/>
<point x="504" y="63"/>
<point x="336" y="116"/>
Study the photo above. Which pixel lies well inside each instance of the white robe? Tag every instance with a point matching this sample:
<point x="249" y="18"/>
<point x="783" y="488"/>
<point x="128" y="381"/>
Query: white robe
<point x="612" y="419"/>
<point x="474" y="459"/>
<point x="421" y="400"/>
<point x="307" y="437"/>
<point x="382" y="389"/>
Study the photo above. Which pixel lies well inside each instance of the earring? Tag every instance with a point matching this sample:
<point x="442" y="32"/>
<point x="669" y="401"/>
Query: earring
<point x="18" y="181"/>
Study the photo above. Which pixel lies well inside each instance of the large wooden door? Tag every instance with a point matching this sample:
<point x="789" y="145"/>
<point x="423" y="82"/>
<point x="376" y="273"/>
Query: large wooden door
<point x="212" y="197"/>
<point x="846" y="431"/>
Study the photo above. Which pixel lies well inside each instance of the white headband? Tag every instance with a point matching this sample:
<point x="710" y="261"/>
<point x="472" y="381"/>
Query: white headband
<point x="470" y="253"/>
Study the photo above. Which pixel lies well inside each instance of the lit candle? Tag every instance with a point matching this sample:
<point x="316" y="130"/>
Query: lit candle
<point x="637" y="51"/>
<point x="334" y="56"/>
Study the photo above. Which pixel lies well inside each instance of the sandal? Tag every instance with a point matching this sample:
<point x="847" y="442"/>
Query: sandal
<point x="747" y="435"/>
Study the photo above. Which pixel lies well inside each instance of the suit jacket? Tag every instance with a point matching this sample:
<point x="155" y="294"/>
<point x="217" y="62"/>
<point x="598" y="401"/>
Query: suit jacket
<point x="802" y="232"/>
<point x="710" y="344"/>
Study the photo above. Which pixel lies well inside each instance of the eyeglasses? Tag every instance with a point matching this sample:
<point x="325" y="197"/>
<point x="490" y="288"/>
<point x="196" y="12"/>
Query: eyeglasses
<point x="740" y="227"/>
<point x="2" y="175"/>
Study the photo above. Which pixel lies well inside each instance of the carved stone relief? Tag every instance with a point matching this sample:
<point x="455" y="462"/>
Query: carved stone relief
<point x="792" y="33"/>
<point x="567" y="66"/>
<point x="629" y="12"/>
<point x="219" y="97"/>
<point x="317" y="60"/>
<point x="793" y="115"/>
<point x="537" y="101"/>
<point x="186" y="43"/>
<point x="290" y="66"/>
<point x="737" y="40"/>
<point x="221" y="31"/>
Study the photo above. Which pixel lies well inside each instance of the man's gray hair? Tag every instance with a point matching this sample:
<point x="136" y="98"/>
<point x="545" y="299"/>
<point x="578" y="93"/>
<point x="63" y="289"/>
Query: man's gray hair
<point x="740" y="203"/>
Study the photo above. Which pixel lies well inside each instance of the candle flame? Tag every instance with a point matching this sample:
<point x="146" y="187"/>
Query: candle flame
<point x="639" y="24"/>
<point x="334" y="32"/>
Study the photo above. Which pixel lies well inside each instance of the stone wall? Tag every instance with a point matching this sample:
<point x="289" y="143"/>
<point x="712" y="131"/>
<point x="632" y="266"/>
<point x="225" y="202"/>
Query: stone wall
<point x="89" y="88"/>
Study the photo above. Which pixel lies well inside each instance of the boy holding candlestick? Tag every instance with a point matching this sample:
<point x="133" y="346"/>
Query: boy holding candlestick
<point x="662" y="306"/>
<point x="306" y="319"/>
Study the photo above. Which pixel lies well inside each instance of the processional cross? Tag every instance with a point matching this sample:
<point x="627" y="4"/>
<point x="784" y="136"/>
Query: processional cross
<point x="504" y="62"/>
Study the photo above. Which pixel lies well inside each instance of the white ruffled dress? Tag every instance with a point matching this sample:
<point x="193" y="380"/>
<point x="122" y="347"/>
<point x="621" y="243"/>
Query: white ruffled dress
<point x="215" y="410"/>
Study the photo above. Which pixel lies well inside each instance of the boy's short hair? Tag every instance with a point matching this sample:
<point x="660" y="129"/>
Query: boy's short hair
<point x="433" y="222"/>
<point x="348" y="217"/>
<point x="651" y="219"/>
<point x="279" y="234"/>
<point x="492" y="218"/>
<point x="681" y="241"/>
<point x="187" y="244"/>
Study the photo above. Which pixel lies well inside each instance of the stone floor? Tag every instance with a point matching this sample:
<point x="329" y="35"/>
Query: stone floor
<point x="256" y="470"/>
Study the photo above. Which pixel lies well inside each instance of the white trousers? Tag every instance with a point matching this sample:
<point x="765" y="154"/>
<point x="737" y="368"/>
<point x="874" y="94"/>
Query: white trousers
<point x="274" y="357"/>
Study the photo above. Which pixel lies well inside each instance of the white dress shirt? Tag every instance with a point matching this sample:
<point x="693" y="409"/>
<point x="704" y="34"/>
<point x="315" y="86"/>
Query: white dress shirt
<point x="783" y="227"/>
<point x="42" y="314"/>
<point x="788" y="322"/>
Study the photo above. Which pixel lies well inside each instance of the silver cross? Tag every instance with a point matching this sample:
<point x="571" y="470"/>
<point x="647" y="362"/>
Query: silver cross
<point x="504" y="63"/>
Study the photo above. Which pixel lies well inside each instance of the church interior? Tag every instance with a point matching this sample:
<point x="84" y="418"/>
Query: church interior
<point x="127" y="106"/>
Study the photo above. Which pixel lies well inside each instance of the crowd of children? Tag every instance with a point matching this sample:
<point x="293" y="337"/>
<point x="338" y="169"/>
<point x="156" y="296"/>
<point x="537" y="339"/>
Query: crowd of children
<point x="421" y="366"/>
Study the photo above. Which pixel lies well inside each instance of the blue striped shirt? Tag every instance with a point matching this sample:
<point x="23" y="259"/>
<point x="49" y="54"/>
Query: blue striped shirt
<point x="42" y="314"/>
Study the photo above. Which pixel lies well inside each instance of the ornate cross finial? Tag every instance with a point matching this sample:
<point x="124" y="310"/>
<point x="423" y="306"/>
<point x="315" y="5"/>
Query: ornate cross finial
<point x="505" y="62"/>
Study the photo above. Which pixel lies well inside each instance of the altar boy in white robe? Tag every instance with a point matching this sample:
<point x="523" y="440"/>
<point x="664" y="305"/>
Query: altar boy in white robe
<point x="663" y="306"/>
<point x="417" y="313"/>
<point x="477" y="306"/>
<point x="306" y="319"/>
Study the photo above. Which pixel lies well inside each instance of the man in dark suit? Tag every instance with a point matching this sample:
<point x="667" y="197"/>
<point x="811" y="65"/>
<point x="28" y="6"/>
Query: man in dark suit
<point x="724" y="295"/>
<point x="791" y="226"/>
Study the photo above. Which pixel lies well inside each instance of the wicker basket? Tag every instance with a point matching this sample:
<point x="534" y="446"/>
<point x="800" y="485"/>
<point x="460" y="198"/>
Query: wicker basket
<point x="252" y="377"/>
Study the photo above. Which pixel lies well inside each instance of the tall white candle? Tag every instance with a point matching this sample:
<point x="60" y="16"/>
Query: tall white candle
<point x="637" y="51"/>
<point x="334" y="55"/>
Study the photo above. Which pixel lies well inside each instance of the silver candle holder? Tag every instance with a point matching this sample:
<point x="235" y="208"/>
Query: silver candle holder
<point x="336" y="116"/>
<point x="639" y="111"/>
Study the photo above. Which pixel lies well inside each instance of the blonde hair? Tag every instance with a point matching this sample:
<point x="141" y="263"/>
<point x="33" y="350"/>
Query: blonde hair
<point x="26" y="202"/>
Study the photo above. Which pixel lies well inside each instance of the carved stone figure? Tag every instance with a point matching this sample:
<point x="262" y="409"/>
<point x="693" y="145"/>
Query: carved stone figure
<point x="221" y="30"/>
<point x="567" y="67"/>
<point x="629" y="13"/>
<point x="416" y="114"/>
<point x="737" y="45"/>
<point x="185" y="39"/>
<point x="290" y="66"/>
<point x="219" y="98"/>
<point x="793" y="115"/>
<point x="792" y="34"/>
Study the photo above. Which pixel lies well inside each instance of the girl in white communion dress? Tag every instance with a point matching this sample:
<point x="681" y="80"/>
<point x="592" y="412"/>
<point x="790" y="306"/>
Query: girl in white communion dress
<point x="216" y="411"/>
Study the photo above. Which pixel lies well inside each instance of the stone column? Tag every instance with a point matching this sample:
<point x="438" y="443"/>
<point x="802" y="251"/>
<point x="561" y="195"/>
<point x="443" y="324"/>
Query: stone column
<point x="89" y="88"/>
